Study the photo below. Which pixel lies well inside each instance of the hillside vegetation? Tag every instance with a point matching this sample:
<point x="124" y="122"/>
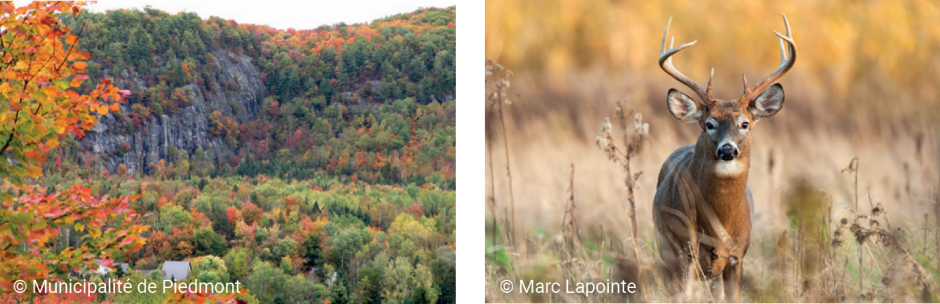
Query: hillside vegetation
<point x="371" y="102"/>
<point x="340" y="188"/>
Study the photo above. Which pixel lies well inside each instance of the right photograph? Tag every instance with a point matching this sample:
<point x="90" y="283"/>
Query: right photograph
<point x="683" y="151"/>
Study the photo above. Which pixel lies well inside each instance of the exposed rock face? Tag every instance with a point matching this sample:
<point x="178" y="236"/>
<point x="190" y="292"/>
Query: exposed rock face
<point x="187" y="129"/>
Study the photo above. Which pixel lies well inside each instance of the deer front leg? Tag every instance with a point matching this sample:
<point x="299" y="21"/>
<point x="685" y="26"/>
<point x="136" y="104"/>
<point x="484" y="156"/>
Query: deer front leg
<point x="732" y="280"/>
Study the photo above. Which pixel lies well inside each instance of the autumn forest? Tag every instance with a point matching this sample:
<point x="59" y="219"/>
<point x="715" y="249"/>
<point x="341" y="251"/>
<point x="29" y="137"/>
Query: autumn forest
<point x="309" y="165"/>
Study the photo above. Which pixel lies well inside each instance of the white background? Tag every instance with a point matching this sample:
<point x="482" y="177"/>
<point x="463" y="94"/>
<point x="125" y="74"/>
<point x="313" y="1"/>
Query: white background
<point x="471" y="159"/>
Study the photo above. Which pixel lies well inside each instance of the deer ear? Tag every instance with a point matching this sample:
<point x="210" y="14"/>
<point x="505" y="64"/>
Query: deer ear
<point x="768" y="103"/>
<point x="684" y="107"/>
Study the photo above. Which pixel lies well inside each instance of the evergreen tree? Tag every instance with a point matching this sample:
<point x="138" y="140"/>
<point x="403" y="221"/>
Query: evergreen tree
<point x="338" y="293"/>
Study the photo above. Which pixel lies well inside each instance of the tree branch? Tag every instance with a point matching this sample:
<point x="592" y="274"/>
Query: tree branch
<point x="9" y="140"/>
<point x="73" y="46"/>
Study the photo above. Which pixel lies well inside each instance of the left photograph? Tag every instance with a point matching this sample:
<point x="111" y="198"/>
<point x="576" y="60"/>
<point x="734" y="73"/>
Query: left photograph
<point x="183" y="152"/>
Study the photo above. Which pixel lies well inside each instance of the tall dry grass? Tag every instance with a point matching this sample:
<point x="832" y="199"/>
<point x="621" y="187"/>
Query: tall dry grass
<point x="864" y="86"/>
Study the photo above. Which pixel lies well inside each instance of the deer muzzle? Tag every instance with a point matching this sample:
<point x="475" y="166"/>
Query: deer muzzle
<point x="727" y="152"/>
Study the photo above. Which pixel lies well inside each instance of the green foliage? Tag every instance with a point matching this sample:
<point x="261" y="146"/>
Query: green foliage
<point x="445" y="279"/>
<point x="344" y="127"/>
<point x="261" y="280"/>
<point x="338" y="294"/>
<point x="369" y="103"/>
<point x="264" y="253"/>
<point x="238" y="264"/>
<point x="311" y="251"/>
<point x="210" y="269"/>
<point x="207" y="242"/>
<point x="135" y="296"/>
<point x="345" y="245"/>
<point x="172" y="216"/>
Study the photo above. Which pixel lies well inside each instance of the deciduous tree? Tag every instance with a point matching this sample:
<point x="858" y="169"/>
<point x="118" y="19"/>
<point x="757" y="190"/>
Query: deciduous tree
<point x="39" y="71"/>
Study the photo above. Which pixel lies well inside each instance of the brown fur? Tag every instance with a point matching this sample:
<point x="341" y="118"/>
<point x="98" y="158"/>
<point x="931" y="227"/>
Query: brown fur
<point x="726" y="196"/>
<point x="703" y="207"/>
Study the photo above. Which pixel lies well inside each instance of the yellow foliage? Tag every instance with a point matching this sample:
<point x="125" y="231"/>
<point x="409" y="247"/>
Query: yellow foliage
<point x="846" y="48"/>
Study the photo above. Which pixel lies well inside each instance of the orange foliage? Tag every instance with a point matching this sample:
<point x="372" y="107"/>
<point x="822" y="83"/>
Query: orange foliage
<point x="290" y="203"/>
<point x="200" y="219"/>
<point x="308" y="225"/>
<point x="323" y="39"/>
<point x="38" y="220"/>
<point x="37" y="105"/>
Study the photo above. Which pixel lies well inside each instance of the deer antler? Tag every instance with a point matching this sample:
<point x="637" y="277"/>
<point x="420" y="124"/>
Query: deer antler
<point x="665" y="62"/>
<point x="786" y="62"/>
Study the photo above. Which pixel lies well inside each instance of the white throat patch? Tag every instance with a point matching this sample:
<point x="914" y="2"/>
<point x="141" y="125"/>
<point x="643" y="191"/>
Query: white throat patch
<point x="731" y="167"/>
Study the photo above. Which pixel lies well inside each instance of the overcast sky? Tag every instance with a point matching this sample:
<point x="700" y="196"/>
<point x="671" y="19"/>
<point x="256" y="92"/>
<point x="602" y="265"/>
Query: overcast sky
<point x="282" y="14"/>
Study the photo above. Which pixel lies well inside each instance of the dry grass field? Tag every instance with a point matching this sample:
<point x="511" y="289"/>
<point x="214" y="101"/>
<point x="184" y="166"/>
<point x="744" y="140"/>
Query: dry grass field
<point x="864" y="86"/>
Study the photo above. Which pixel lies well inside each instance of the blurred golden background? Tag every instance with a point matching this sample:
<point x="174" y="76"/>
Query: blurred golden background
<point x="865" y="85"/>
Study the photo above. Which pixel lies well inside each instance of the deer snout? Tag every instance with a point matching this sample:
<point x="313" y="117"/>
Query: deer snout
<point x="727" y="152"/>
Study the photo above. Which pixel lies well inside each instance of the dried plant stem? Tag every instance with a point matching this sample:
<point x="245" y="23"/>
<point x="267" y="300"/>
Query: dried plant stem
<point x="923" y="250"/>
<point x="630" y="181"/>
<point x="874" y="262"/>
<point x="500" y="78"/>
<point x="489" y="151"/>
<point x="509" y="238"/>
<point x="861" y="269"/>
<point x="512" y="200"/>
<point x="936" y="218"/>
<point x="856" y="183"/>
<point x="853" y="168"/>
<point x="799" y="254"/>
<point x="570" y="222"/>
<point x="603" y="237"/>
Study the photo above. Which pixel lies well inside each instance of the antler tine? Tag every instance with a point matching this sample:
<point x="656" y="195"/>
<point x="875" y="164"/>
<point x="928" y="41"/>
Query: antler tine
<point x="665" y="62"/>
<point x="786" y="62"/>
<point x="708" y="91"/>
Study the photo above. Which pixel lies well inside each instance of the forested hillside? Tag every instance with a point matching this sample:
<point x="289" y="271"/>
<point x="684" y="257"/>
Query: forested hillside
<point x="370" y="102"/>
<point x="311" y="165"/>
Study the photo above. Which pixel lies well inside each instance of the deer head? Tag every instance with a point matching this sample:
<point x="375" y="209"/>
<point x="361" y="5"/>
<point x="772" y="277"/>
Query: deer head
<point x="726" y="122"/>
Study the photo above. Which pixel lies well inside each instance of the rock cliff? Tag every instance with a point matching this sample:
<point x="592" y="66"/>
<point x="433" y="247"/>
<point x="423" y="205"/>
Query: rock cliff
<point x="187" y="129"/>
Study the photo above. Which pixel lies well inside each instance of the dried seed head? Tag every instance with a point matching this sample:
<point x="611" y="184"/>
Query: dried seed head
<point x="872" y="237"/>
<point x="855" y="228"/>
<point x="861" y="236"/>
<point x="639" y="128"/>
<point x="836" y="242"/>
<point x="878" y="210"/>
<point x="601" y="142"/>
<point x="604" y="140"/>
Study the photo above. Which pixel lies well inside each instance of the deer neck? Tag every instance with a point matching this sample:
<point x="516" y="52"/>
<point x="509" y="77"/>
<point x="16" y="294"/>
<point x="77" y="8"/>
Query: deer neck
<point x="722" y="188"/>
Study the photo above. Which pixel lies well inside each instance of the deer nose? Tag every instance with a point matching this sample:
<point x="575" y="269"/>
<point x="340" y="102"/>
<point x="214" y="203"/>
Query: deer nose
<point x="727" y="152"/>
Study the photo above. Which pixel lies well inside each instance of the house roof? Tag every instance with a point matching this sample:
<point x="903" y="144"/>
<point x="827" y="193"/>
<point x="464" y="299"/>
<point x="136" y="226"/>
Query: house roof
<point x="178" y="270"/>
<point x="124" y="266"/>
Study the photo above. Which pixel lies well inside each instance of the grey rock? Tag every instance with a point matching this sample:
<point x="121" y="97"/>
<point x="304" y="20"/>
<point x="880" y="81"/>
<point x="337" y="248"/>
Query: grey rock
<point x="187" y="129"/>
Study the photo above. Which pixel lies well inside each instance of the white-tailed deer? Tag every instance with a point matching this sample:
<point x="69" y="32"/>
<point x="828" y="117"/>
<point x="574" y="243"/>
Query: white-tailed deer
<point x="703" y="208"/>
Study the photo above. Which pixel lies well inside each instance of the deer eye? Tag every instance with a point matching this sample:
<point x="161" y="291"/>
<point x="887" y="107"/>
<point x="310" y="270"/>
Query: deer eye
<point x="709" y="126"/>
<point x="744" y="125"/>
